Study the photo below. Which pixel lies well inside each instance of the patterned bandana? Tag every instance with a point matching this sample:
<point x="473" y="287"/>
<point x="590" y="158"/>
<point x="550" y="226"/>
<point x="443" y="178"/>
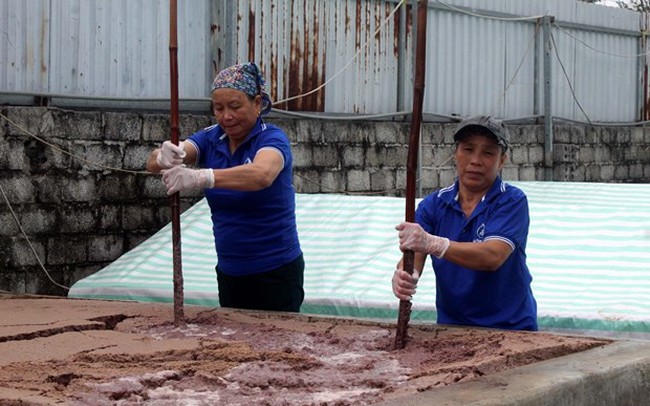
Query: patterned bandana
<point x="245" y="77"/>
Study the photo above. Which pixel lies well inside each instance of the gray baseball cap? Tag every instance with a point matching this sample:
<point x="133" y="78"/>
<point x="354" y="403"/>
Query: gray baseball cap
<point x="484" y="123"/>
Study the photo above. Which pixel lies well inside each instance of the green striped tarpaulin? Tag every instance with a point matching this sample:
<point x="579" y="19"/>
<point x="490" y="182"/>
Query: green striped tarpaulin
<point x="588" y="252"/>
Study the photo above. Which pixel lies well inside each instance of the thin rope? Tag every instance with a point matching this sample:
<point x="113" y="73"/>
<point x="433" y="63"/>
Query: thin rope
<point x="22" y="231"/>
<point x="56" y="147"/>
<point x="361" y="48"/>
<point x="564" y="31"/>
<point x="13" y="213"/>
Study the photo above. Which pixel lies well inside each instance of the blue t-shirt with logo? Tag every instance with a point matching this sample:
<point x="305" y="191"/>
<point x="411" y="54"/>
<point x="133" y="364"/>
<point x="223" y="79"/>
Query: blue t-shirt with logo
<point x="254" y="231"/>
<point x="500" y="299"/>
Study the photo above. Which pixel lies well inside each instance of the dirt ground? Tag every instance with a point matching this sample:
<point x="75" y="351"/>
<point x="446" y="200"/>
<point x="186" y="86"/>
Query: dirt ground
<point x="83" y="352"/>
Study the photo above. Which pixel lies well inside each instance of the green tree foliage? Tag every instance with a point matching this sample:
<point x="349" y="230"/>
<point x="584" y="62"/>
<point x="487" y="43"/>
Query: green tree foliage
<point x="637" y="5"/>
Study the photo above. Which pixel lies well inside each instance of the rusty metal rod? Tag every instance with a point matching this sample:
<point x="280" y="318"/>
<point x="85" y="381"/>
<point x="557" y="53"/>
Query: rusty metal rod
<point x="174" y="200"/>
<point x="411" y="167"/>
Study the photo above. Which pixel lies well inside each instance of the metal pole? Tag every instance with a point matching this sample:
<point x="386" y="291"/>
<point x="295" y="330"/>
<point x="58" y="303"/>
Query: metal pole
<point x="642" y="93"/>
<point x="536" y="70"/>
<point x="548" y="96"/>
<point x="411" y="168"/>
<point x="418" y="172"/>
<point x="174" y="199"/>
<point x="401" y="61"/>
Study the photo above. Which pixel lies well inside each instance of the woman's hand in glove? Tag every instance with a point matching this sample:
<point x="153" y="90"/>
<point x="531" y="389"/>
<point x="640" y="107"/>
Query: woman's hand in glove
<point x="170" y="155"/>
<point x="182" y="178"/>
<point x="412" y="237"/>
<point x="404" y="284"/>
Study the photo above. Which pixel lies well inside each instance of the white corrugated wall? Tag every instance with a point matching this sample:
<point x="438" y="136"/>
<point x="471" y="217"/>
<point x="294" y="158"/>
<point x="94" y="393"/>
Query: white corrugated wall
<point x="24" y="45"/>
<point x="302" y="44"/>
<point x="487" y="64"/>
<point x="482" y="56"/>
<point x="102" y="48"/>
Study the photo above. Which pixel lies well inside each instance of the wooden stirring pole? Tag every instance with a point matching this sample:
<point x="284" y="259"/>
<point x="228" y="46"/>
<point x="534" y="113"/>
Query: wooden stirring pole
<point x="411" y="167"/>
<point x="174" y="200"/>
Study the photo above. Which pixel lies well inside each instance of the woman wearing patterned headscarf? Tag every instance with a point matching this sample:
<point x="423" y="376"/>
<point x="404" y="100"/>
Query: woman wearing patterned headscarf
<point x="245" y="169"/>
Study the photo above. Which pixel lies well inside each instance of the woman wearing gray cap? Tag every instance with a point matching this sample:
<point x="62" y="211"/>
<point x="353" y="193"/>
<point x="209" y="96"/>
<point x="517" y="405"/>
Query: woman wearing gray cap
<point x="475" y="232"/>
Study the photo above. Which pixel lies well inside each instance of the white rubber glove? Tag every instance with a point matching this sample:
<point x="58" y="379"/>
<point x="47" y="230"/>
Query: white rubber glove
<point x="182" y="178"/>
<point x="404" y="284"/>
<point x="171" y="155"/>
<point x="413" y="238"/>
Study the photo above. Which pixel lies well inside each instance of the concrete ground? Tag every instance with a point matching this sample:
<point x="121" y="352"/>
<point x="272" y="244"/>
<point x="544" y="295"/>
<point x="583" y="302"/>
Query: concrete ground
<point x="618" y="374"/>
<point x="615" y="374"/>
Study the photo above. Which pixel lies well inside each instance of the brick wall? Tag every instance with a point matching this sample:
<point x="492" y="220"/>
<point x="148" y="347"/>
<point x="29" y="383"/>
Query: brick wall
<point x="79" y="216"/>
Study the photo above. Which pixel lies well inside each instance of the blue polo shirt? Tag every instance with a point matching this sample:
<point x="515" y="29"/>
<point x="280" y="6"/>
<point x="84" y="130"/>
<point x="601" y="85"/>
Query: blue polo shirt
<point x="500" y="299"/>
<point x="254" y="231"/>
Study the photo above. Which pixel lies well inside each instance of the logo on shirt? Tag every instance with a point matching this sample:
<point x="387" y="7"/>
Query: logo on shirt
<point x="248" y="161"/>
<point x="480" y="233"/>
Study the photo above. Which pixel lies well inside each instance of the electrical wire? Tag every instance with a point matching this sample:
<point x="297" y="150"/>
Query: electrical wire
<point x="341" y="117"/>
<point x="502" y="96"/>
<point x="603" y="124"/>
<point x="467" y="12"/>
<point x="566" y="75"/>
<point x="564" y="31"/>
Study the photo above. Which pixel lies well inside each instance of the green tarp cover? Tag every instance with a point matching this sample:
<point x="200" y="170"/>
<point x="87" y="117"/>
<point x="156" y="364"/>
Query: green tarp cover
<point x="588" y="251"/>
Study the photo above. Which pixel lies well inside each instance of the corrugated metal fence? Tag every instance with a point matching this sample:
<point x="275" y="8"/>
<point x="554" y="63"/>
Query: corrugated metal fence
<point x="513" y="59"/>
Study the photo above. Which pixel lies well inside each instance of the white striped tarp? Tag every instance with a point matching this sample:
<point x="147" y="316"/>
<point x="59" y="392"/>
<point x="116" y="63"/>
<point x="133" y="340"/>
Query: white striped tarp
<point x="588" y="252"/>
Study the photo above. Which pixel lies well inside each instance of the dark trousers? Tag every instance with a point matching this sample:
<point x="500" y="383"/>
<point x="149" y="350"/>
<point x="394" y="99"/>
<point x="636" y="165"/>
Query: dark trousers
<point x="280" y="289"/>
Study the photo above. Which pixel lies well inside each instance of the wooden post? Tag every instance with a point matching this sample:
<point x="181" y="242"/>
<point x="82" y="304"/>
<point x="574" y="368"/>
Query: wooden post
<point x="412" y="163"/>
<point x="174" y="200"/>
